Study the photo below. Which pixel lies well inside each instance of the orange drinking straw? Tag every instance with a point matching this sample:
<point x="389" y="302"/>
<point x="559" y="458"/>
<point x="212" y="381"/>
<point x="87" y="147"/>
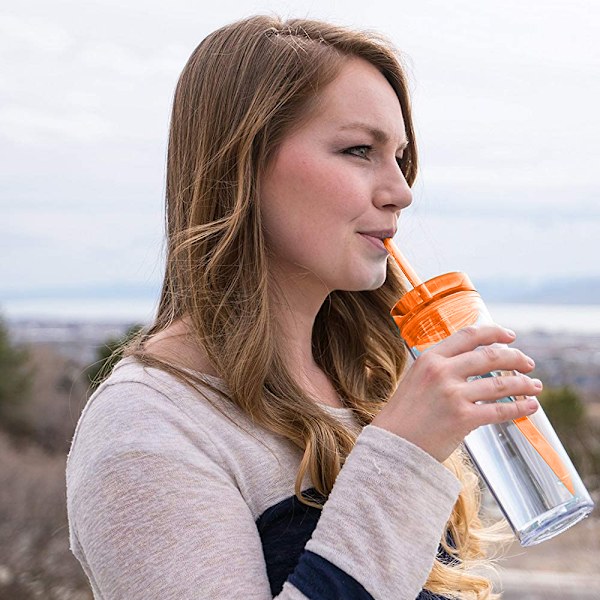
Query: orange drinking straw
<point x="412" y="277"/>
<point x="524" y="424"/>
<point x="545" y="450"/>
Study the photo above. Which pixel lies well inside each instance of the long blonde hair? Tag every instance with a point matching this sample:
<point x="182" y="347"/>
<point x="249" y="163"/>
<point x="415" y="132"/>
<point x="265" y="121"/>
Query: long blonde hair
<point x="243" y="89"/>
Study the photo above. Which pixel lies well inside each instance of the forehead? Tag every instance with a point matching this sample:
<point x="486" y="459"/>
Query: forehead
<point x="359" y="94"/>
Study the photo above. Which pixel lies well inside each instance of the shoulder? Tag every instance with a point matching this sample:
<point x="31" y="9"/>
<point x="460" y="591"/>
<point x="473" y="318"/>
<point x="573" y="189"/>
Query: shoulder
<point x="142" y="413"/>
<point x="134" y="386"/>
<point x="139" y="392"/>
<point x="143" y="428"/>
<point x="140" y="410"/>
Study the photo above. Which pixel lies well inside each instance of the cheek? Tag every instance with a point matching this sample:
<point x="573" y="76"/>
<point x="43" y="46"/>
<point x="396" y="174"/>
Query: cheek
<point x="311" y="181"/>
<point x="308" y="199"/>
<point x="315" y="176"/>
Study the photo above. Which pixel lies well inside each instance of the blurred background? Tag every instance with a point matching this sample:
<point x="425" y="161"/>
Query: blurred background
<point x="505" y="100"/>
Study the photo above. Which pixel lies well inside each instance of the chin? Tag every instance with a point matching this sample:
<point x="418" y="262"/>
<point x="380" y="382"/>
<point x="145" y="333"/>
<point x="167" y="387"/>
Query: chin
<point x="367" y="283"/>
<point x="376" y="284"/>
<point x="379" y="278"/>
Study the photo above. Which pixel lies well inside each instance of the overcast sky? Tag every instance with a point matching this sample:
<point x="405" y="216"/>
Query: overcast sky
<point x="506" y="95"/>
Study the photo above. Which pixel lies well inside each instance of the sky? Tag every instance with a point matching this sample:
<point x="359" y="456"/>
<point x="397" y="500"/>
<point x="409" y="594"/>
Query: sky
<point x="505" y="97"/>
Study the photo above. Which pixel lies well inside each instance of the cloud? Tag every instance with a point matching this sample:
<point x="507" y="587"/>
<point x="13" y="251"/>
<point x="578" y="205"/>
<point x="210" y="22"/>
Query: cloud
<point x="505" y="103"/>
<point x="53" y="248"/>
<point x="23" y="125"/>
<point x="491" y="248"/>
<point x="64" y="86"/>
<point x="32" y="35"/>
<point x="110" y="57"/>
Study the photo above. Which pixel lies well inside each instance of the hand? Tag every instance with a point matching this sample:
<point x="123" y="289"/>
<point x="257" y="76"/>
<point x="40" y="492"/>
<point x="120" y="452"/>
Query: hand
<point x="435" y="406"/>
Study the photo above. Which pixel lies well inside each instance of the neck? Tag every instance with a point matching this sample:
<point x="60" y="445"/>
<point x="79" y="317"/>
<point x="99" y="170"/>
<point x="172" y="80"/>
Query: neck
<point x="295" y="309"/>
<point x="295" y="305"/>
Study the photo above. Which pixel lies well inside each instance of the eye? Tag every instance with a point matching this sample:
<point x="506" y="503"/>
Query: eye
<point x="360" y="151"/>
<point x="400" y="161"/>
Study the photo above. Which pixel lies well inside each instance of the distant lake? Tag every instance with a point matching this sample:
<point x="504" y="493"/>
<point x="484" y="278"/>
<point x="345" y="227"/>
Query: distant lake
<point x="520" y="317"/>
<point x="577" y="318"/>
<point x="139" y="310"/>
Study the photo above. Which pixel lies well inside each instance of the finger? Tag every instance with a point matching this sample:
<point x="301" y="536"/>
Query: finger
<point x="499" y="412"/>
<point x="471" y="337"/>
<point x="493" y="388"/>
<point x="496" y="357"/>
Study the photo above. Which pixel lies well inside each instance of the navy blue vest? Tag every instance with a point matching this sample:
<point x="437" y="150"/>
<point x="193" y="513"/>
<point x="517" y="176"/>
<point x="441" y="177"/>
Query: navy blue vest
<point x="284" y="529"/>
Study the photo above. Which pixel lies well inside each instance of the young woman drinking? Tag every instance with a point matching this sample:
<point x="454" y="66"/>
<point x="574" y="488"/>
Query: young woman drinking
<point x="263" y="439"/>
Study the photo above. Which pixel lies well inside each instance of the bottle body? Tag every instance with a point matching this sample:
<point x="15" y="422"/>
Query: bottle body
<point x="533" y="499"/>
<point x="522" y="462"/>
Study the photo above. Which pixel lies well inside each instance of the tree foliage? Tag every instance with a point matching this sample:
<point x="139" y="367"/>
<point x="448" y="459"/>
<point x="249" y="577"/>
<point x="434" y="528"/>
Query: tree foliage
<point x="578" y="434"/>
<point x="108" y="354"/>
<point x="15" y="380"/>
<point x="564" y="408"/>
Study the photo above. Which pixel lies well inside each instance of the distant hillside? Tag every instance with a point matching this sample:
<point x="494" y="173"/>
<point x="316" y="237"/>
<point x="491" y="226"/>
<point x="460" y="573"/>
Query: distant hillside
<point x="112" y="291"/>
<point x="576" y="290"/>
<point x="559" y="291"/>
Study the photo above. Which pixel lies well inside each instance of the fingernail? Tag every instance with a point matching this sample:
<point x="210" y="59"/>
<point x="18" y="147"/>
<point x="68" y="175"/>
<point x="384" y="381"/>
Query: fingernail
<point x="530" y="362"/>
<point x="532" y="404"/>
<point x="537" y="384"/>
<point x="511" y="333"/>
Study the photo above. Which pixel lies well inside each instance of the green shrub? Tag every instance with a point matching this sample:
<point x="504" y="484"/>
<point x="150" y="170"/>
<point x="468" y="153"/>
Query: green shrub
<point x="107" y="355"/>
<point x="15" y="381"/>
<point x="579" y="436"/>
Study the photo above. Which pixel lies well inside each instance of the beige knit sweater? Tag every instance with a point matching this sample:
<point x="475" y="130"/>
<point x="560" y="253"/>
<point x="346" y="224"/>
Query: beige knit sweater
<point x="173" y="494"/>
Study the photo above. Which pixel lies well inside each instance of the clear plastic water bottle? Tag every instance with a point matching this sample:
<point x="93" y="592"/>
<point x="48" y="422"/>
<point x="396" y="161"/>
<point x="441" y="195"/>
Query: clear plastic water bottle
<point x="522" y="462"/>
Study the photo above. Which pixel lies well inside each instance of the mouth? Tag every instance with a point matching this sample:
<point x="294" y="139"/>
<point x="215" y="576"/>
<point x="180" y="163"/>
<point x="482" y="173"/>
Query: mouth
<point x="376" y="237"/>
<point x="380" y="234"/>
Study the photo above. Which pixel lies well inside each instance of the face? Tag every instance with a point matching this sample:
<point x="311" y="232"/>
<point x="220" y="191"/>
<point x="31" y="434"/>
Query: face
<point x="334" y="189"/>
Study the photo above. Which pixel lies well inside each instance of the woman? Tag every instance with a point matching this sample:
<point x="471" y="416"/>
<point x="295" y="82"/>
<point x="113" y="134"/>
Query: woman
<point x="258" y="440"/>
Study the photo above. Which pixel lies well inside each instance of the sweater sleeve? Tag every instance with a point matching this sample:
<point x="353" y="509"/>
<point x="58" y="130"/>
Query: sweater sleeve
<point x="155" y="514"/>
<point x="385" y="515"/>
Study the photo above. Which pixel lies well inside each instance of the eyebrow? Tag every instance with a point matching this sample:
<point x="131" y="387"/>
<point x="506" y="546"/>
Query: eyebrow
<point x="379" y="135"/>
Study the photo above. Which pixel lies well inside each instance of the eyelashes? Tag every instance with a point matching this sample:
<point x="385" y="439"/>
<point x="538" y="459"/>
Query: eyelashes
<point x="364" y="151"/>
<point x="359" y="151"/>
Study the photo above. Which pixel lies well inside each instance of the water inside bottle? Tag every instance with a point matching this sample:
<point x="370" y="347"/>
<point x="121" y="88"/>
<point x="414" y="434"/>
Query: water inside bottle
<point x="534" y="500"/>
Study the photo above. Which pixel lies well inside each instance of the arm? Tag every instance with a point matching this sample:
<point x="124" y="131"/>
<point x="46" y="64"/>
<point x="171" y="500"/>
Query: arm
<point x="154" y="514"/>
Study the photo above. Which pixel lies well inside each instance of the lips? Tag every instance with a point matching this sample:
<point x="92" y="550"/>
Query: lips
<point x="380" y="234"/>
<point x="376" y="237"/>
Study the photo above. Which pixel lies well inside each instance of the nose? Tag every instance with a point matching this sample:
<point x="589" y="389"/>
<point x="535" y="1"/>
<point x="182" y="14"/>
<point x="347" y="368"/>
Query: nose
<point x="392" y="192"/>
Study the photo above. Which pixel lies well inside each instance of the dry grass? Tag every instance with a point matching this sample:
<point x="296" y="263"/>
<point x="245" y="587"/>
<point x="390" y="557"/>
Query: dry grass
<point x="577" y="550"/>
<point x="35" y="560"/>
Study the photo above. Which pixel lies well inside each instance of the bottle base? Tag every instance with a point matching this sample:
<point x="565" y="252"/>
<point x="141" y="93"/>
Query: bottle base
<point x="553" y="522"/>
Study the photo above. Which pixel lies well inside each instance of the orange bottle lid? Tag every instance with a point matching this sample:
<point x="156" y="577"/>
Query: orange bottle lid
<point x="442" y="306"/>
